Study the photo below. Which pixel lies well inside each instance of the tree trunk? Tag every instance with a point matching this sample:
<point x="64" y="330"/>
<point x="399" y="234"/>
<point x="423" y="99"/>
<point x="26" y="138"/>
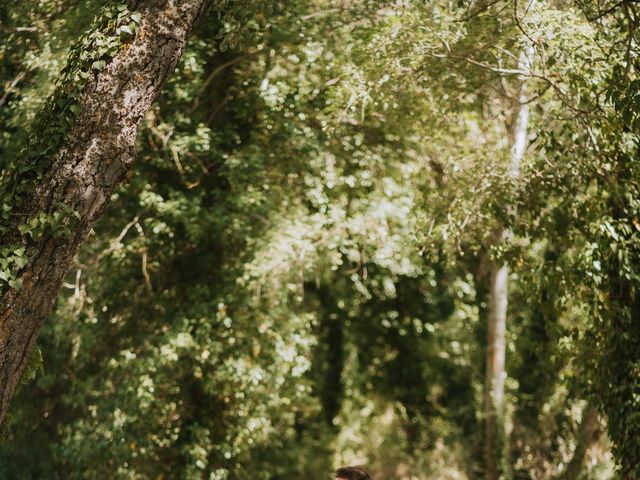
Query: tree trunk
<point x="495" y="369"/>
<point x="586" y="436"/>
<point x="95" y="157"/>
<point x="499" y="299"/>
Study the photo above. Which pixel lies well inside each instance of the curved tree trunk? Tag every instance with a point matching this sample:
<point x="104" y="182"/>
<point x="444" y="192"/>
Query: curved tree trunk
<point x="91" y="162"/>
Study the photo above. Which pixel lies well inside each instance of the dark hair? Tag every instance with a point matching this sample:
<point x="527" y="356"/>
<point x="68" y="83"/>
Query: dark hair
<point x="352" y="473"/>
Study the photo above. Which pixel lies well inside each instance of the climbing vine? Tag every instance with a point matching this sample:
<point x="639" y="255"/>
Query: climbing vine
<point x="110" y="31"/>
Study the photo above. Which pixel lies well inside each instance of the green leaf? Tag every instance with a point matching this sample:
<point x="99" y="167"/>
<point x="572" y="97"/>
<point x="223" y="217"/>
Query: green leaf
<point x="75" y="109"/>
<point x="99" y="65"/>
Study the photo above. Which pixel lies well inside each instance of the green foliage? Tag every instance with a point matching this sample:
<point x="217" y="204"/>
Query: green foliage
<point x="296" y="274"/>
<point x="34" y="365"/>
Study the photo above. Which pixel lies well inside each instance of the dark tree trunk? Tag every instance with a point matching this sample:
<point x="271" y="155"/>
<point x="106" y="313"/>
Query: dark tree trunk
<point x="95" y="157"/>
<point x="587" y="434"/>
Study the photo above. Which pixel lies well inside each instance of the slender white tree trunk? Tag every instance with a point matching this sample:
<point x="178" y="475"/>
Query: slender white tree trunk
<point x="499" y="296"/>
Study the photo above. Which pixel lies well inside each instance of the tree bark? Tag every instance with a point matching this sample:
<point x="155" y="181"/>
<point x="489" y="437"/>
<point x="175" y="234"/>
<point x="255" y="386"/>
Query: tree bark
<point x="587" y="434"/>
<point x="95" y="157"/>
<point x="499" y="298"/>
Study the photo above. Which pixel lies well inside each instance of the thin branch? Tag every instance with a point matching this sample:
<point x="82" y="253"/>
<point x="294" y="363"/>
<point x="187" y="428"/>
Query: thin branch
<point x="518" y="20"/>
<point x="605" y="12"/>
<point x="480" y="11"/>
<point x="124" y="232"/>
<point x="11" y="86"/>
<point x="216" y="71"/>
<point x="320" y="13"/>
<point x="521" y="73"/>
<point x="506" y="71"/>
<point x="145" y="273"/>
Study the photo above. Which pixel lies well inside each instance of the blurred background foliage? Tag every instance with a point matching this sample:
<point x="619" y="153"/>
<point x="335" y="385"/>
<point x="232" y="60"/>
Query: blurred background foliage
<point x="296" y="274"/>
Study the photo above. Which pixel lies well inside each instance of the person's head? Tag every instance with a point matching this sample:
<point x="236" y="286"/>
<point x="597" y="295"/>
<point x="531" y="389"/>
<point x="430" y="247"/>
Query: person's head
<point x="352" y="473"/>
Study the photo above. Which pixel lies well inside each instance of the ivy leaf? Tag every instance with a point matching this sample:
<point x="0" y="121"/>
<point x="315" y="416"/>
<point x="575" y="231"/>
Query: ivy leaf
<point x="23" y="228"/>
<point x="20" y="261"/>
<point x="35" y="364"/>
<point x="99" y="65"/>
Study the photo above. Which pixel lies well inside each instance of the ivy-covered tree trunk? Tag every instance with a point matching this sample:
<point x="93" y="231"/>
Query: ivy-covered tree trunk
<point x="47" y="212"/>
<point x="499" y="299"/>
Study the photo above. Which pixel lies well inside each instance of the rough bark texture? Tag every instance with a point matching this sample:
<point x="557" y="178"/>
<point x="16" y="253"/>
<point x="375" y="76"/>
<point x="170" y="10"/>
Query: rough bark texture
<point x="499" y="300"/>
<point x="95" y="158"/>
